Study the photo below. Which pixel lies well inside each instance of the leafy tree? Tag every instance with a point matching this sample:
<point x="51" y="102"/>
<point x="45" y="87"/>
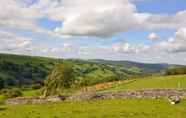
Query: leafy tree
<point x="1" y="83"/>
<point x="60" y="78"/>
<point x="176" y="71"/>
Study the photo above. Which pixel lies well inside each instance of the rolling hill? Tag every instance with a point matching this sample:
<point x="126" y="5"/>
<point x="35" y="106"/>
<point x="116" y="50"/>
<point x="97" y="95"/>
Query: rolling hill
<point x="21" y="70"/>
<point x="144" y="67"/>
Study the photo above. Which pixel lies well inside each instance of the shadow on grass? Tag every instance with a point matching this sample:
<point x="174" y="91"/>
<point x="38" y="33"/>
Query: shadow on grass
<point x="2" y="109"/>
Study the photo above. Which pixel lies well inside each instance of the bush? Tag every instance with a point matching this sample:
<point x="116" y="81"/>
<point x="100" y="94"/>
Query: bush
<point x="12" y="93"/>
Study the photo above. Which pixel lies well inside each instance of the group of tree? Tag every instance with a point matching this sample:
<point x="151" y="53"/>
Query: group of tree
<point x="12" y="74"/>
<point x="176" y="70"/>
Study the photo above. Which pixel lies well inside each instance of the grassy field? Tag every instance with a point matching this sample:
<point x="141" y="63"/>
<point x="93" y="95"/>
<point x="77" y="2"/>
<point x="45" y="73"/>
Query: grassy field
<point x="178" y="82"/>
<point x="27" y="93"/>
<point x="31" y="93"/>
<point x="115" y="108"/>
<point x="133" y="108"/>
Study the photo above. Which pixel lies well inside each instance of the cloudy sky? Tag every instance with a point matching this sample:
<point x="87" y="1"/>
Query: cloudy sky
<point x="152" y="31"/>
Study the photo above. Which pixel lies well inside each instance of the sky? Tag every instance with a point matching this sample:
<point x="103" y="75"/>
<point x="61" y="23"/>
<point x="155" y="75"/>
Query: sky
<point x="149" y="31"/>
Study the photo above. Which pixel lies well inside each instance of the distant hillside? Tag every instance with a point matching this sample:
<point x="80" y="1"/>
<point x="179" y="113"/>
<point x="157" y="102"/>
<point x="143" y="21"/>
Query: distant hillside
<point x="20" y="70"/>
<point x="23" y="70"/>
<point x="146" y="68"/>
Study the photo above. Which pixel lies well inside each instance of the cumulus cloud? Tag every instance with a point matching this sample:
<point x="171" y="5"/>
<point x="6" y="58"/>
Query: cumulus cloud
<point x="59" y="51"/>
<point x="175" y="21"/>
<point x="152" y="36"/>
<point x="17" y="14"/>
<point x="125" y="47"/>
<point x="13" y="13"/>
<point x="84" y="17"/>
<point x="98" y="17"/>
<point x="105" y="18"/>
<point x="12" y="42"/>
<point x="175" y="44"/>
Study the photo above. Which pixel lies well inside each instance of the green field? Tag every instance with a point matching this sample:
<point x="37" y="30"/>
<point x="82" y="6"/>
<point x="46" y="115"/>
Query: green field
<point x="31" y="93"/>
<point x="29" y="72"/>
<point x="133" y="108"/>
<point x="175" y="82"/>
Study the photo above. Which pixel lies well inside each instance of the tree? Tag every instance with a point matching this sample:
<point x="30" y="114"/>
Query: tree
<point x="61" y="78"/>
<point x="2" y="85"/>
<point x="176" y="71"/>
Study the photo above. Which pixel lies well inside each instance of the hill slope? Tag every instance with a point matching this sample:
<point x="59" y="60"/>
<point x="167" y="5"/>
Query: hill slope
<point x="146" y="68"/>
<point x="19" y="70"/>
<point x="23" y="70"/>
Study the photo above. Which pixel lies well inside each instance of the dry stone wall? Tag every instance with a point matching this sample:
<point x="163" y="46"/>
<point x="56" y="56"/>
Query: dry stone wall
<point x="149" y="93"/>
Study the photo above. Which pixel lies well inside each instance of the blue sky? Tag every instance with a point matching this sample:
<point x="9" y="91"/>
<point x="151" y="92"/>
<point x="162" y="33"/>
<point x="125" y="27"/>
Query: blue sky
<point x="49" y="24"/>
<point x="161" y="6"/>
<point x="149" y="31"/>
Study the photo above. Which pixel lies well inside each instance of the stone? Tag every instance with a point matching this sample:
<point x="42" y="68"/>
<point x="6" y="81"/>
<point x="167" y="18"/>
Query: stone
<point x="174" y="100"/>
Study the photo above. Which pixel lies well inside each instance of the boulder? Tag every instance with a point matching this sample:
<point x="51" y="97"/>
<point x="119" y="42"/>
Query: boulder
<point x="174" y="100"/>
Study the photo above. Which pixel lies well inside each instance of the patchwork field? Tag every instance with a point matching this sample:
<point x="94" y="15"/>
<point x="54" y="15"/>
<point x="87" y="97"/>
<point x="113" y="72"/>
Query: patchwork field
<point x="133" y="108"/>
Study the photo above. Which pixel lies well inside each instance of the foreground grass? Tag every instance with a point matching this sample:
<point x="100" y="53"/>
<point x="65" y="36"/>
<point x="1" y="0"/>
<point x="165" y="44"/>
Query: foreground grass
<point x="133" y="108"/>
<point x="175" y="82"/>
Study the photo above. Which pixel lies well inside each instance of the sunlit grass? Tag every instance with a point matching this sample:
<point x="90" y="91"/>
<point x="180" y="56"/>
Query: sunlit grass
<point x="133" y="108"/>
<point x="174" y="82"/>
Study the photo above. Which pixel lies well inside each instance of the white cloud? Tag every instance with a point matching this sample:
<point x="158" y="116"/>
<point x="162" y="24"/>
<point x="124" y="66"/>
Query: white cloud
<point x="17" y="15"/>
<point x="153" y="36"/>
<point x="125" y="47"/>
<point x="166" y="21"/>
<point x="85" y="17"/>
<point x="176" y="43"/>
<point x="108" y="17"/>
<point x="13" y="13"/>
<point x="97" y="18"/>
<point x="12" y="42"/>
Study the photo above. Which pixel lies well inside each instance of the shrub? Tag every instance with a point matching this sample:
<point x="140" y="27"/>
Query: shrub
<point x="12" y="93"/>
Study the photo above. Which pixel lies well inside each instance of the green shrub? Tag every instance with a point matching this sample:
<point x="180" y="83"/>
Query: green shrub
<point x="12" y="93"/>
